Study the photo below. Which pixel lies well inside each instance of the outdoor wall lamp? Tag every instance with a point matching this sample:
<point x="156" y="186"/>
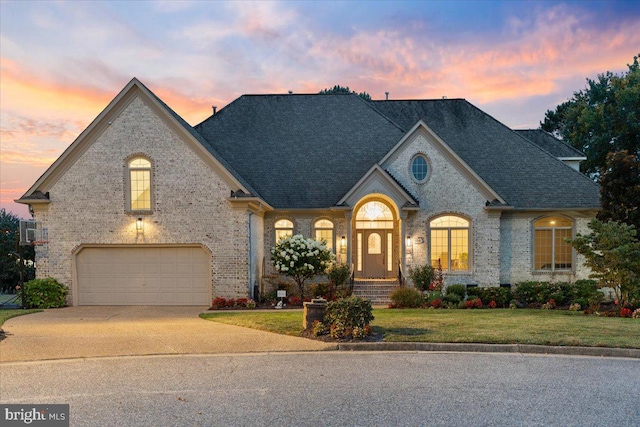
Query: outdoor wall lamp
<point x="343" y="241"/>
<point x="408" y="241"/>
<point x="139" y="226"/>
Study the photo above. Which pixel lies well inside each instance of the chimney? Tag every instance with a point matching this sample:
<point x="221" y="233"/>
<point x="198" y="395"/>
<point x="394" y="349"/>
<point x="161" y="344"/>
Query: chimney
<point x="214" y="109"/>
<point x="386" y="96"/>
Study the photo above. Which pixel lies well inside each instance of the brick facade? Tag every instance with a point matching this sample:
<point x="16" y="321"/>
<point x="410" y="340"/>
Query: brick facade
<point x="189" y="203"/>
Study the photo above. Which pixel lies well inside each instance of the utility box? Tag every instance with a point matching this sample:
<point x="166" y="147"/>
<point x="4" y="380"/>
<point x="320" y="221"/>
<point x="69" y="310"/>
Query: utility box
<point x="313" y="311"/>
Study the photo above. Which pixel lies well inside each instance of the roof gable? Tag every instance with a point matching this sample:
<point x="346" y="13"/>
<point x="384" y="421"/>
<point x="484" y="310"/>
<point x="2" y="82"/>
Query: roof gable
<point x="375" y="181"/>
<point x="448" y="153"/>
<point x="132" y="90"/>
<point x="524" y="175"/>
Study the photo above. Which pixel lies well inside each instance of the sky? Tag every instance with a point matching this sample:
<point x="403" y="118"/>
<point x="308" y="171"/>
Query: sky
<point x="62" y="62"/>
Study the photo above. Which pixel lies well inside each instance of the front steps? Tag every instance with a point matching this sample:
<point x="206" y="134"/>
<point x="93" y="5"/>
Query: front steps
<point x="377" y="291"/>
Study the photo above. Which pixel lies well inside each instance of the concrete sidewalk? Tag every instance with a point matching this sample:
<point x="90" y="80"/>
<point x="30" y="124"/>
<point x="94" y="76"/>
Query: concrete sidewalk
<point x="78" y="332"/>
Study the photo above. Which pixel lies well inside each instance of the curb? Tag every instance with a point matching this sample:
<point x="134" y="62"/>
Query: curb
<point x="492" y="348"/>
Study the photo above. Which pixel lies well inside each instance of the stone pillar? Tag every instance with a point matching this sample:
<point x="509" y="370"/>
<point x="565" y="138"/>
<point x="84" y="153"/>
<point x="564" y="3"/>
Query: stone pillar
<point x="313" y="311"/>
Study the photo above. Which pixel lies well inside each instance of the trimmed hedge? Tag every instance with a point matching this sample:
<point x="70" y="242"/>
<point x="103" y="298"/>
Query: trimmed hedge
<point x="406" y="297"/>
<point x="501" y="296"/>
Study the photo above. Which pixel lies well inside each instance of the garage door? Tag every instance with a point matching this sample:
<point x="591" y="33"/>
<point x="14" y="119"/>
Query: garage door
<point x="143" y="276"/>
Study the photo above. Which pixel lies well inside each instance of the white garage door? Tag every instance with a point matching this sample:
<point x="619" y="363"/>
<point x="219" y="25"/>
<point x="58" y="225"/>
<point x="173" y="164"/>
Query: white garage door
<point x="143" y="276"/>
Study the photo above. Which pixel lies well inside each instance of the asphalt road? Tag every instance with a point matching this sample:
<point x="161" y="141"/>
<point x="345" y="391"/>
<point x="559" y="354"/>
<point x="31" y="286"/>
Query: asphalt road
<point x="334" y="389"/>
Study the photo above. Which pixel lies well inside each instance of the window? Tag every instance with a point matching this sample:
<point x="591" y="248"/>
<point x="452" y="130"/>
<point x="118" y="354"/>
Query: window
<point x="139" y="178"/>
<point x="450" y="243"/>
<point x="284" y="229"/>
<point x="324" y="230"/>
<point x="551" y="250"/>
<point x="419" y="168"/>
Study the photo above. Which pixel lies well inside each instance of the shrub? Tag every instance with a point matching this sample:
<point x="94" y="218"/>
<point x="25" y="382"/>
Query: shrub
<point x="451" y="299"/>
<point x="295" y="300"/>
<point x="406" y="297"/>
<point x="457" y="289"/>
<point x="301" y="259"/>
<point x="219" y="302"/>
<point x="338" y="275"/>
<point x="501" y="296"/>
<point x="625" y="312"/>
<point x="44" y="293"/>
<point x="318" y="328"/>
<point x="493" y="304"/>
<point x="636" y="314"/>
<point x="422" y="276"/>
<point x="575" y="307"/>
<point x="345" y="314"/>
<point x="324" y="290"/>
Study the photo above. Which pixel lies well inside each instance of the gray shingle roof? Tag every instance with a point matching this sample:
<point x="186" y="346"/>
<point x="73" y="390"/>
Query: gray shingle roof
<point x="550" y="143"/>
<point x="300" y="151"/>
<point x="307" y="151"/>
<point x="204" y="142"/>
<point x="525" y="176"/>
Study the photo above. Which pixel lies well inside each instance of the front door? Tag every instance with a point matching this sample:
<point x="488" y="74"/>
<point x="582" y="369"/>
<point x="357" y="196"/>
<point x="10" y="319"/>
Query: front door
<point x="375" y="252"/>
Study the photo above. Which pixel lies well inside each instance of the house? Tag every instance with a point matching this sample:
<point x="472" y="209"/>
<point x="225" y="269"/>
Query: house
<point x="143" y="208"/>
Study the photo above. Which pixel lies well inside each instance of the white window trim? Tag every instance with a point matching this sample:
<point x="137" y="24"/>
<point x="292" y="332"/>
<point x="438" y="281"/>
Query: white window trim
<point x="429" y="168"/>
<point x="127" y="175"/>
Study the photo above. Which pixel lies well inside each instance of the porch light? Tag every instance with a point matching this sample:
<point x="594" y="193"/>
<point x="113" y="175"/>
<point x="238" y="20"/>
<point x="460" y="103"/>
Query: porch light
<point x="343" y="241"/>
<point x="408" y="241"/>
<point x="139" y="225"/>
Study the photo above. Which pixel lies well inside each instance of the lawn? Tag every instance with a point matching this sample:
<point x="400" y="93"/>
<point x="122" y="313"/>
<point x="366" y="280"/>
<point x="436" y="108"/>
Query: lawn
<point x="500" y="326"/>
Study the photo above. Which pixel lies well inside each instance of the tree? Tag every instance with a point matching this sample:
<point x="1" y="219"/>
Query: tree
<point x="301" y="259"/>
<point x="612" y="251"/>
<point x="337" y="89"/>
<point x="602" y="118"/>
<point x="12" y="255"/>
<point x="620" y="189"/>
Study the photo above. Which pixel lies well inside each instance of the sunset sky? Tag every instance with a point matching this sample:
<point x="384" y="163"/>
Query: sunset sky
<point x="62" y="62"/>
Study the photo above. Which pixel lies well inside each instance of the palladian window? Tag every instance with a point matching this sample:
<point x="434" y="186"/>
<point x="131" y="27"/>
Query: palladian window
<point x="139" y="180"/>
<point x="449" y="243"/>
<point x="284" y="229"/>
<point x="324" y="230"/>
<point x="551" y="250"/>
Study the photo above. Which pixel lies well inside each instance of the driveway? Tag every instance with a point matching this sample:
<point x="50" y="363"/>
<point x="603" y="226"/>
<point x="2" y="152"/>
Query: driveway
<point x="97" y="331"/>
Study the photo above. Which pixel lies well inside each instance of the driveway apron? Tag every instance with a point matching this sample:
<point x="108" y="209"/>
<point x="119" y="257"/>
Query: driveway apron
<point x="101" y="331"/>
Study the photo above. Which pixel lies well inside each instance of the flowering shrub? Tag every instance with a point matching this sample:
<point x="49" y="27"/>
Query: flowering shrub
<point x="422" y="276"/>
<point x="636" y="314"/>
<point x="437" y="284"/>
<point x="222" y="302"/>
<point x="295" y="300"/>
<point x="625" y="312"/>
<point x="219" y="302"/>
<point x="301" y="259"/>
<point x="436" y="303"/>
<point x="493" y="304"/>
<point x="473" y="303"/>
<point x="502" y="296"/>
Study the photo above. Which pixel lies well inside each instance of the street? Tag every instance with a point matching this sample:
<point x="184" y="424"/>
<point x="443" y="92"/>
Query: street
<point x="334" y="388"/>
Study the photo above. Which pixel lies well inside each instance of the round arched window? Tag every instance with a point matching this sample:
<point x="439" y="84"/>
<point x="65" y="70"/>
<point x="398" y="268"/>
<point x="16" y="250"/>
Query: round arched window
<point x="419" y="168"/>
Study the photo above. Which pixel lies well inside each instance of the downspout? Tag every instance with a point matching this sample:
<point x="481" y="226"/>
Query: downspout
<point x="250" y="263"/>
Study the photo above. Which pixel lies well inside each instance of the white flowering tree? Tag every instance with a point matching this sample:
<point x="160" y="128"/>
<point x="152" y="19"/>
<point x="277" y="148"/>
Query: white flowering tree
<point x="301" y="258"/>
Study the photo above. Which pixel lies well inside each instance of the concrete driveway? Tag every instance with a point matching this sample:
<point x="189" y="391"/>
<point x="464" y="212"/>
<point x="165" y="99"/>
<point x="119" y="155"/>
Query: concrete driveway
<point x="97" y="331"/>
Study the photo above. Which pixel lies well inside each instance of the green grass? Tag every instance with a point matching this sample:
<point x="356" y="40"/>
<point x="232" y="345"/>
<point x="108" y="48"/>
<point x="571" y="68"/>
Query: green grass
<point x="500" y="326"/>
<point x="8" y="314"/>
